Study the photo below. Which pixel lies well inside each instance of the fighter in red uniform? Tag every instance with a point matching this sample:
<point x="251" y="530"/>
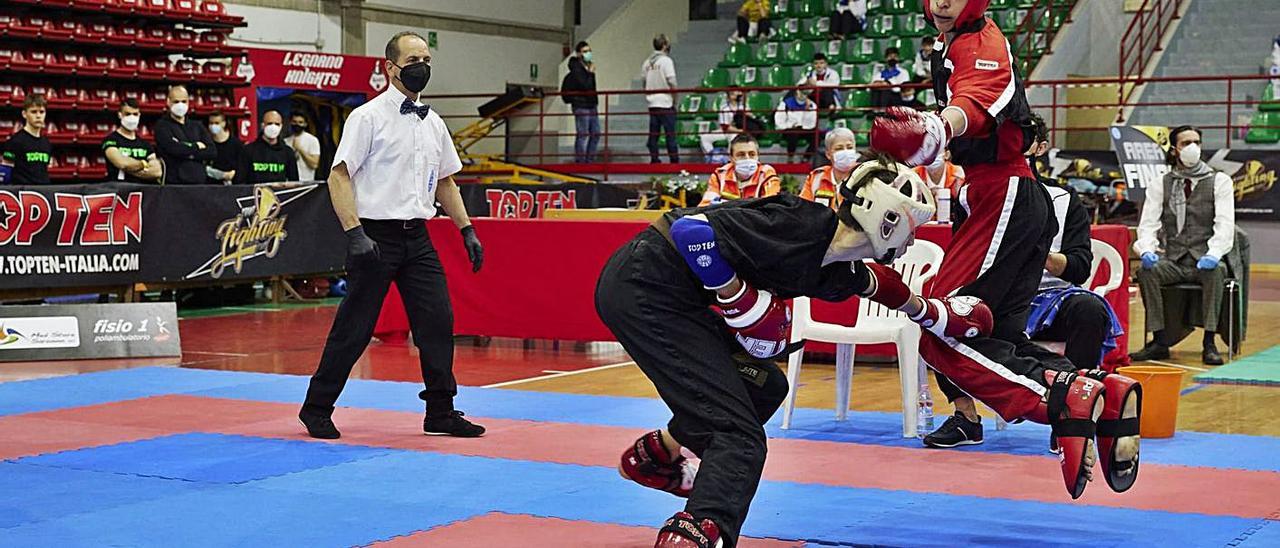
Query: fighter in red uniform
<point x="1004" y="225"/>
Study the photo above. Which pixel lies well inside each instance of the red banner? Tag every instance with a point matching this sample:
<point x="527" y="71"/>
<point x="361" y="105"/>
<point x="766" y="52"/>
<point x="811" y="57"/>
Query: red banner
<point x="304" y="71"/>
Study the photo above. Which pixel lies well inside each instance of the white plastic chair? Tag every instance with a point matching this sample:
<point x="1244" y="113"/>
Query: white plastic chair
<point x="1103" y="252"/>
<point x="876" y="324"/>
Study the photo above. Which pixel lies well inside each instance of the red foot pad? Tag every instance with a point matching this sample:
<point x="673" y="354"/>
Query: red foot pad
<point x="1113" y="426"/>
<point x="1074" y="405"/>
<point x="648" y="463"/>
<point x="681" y="531"/>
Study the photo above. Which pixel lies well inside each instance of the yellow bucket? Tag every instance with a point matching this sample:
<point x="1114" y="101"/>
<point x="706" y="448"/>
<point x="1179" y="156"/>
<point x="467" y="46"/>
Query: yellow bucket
<point x="1161" y="386"/>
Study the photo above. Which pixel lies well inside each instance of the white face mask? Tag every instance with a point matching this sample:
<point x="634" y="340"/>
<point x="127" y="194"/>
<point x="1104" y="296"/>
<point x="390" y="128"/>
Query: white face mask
<point x="215" y="129"/>
<point x="1189" y="155"/>
<point x="130" y="122"/>
<point x="271" y="131"/>
<point x="744" y="168"/>
<point x="179" y="109"/>
<point x="844" y="159"/>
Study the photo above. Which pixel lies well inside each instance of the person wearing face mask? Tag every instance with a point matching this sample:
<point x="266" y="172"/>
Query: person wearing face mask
<point x="268" y="159"/>
<point x="222" y="170"/>
<point x="1187" y="227"/>
<point x="130" y="159"/>
<point x="659" y="75"/>
<point x="950" y="177"/>
<point x="886" y="90"/>
<point x="796" y="118"/>
<point x="27" y="152"/>
<point x="579" y="86"/>
<point x="744" y="176"/>
<point x="394" y="163"/>
<point x="182" y="144"/>
<point x="732" y="121"/>
<point x="823" y="183"/>
<point x="305" y="146"/>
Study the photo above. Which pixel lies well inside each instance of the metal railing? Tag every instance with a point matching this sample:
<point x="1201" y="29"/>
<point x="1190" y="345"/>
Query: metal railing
<point x="1143" y="37"/>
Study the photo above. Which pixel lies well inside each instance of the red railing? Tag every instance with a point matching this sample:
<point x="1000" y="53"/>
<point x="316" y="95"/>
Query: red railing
<point x="1144" y="37"/>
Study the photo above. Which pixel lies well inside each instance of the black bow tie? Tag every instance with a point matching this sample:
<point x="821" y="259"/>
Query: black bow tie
<point x="407" y="107"/>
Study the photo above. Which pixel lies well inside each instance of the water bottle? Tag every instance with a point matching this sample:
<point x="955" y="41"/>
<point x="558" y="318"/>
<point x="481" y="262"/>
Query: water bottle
<point x="943" y="195"/>
<point x="924" y="411"/>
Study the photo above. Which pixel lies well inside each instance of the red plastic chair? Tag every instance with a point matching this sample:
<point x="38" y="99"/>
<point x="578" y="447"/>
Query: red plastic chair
<point x="98" y="131"/>
<point x="74" y="129"/>
<point x="210" y="41"/>
<point x="155" y="68"/>
<point x="144" y="133"/>
<point x="186" y="9"/>
<point x="6" y="55"/>
<point x="26" y="27"/>
<point x="91" y="4"/>
<point x="95" y="32"/>
<point x="6" y="21"/>
<point x="184" y="70"/>
<point x="98" y="64"/>
<point x="9" y="127"/>
<point x="64" y="98"/>
<point x="182" y="40"/>
<point x="99" y="98"/>
<point x="21" y="62"/>
<point x="155" y="7"/>
<point x="62" y="63"/>
<point x="10" y="92"/>
<point x="212" y="72"/>
<point x="39" y="61"/>
<point x="155" y="101"/>
<point x="92" y="167"/>
<point x="63" y="167"/>
<point x="154" y="37"/>
<point x="127" y="68"/>
<point x="58" y="30"/>
<point x="54" y="132"/>
<point x="125" y="35"/>
<point x="120" y="7"/>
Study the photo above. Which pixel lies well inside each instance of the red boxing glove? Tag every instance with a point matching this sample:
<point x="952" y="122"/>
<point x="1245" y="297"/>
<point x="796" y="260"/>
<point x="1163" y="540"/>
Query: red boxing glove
<point x="760" y="321"/>
<point x="890" y="290"/>
<point x="962" y="317"/>
<point x="912" y="137"/>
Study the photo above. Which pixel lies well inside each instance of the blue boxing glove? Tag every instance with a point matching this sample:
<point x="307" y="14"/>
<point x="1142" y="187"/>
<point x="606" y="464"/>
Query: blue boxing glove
<point x="1207" y="262"/>
<point x="696" y="242"/>
<point x="1149" y="260"/>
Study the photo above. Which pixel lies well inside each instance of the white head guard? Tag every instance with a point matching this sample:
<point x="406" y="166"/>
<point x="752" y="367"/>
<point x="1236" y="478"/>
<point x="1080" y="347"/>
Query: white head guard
<point x="887" y="201"/>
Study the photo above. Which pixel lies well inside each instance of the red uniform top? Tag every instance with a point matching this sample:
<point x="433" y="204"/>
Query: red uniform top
<point x="977" y="75"/>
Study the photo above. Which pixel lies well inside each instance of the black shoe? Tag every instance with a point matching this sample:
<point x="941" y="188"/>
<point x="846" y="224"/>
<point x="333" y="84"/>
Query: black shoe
<point x="451" y="425"/>
<point x="1152" y="351"/>
<point x="958" y="430"/>
<point x="319" y="427"/>
<point x="1210" y="355"/>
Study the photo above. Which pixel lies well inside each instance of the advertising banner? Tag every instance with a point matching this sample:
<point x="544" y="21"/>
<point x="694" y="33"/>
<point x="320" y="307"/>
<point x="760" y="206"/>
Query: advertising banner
<point x="511" y="201"/>
<point x="63" y="332"/>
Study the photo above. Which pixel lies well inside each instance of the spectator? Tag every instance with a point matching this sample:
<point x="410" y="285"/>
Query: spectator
<point x="907" y="98"/>
<point x="1187" y="227"/>
<point x="848" y="18"/>
<point x="579" y="88"/>
<point x="268" y="159"/>
<point x="885" y="86"/>
<point x="821" y="76"/>
<point x="796" y="118"/>
<point x="659" y="74"/>
<point x="229" y="149"/>
<point x="924" y="60"/>
<point x="129" y="158"/>
<point x="182" y="145"/>
<point x="305" y="146"/>
<point x="753" y="20"/>
<point x="842" y="158"/>
<point x="950" y="177"/>
<point x="732" y="120"/>
<point x="744" y="176"/>
<point x="28" y="151"/>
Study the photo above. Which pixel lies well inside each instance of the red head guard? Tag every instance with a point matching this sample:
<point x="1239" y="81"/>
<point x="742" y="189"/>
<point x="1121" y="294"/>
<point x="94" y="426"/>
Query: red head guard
<point x="972" y="11"/>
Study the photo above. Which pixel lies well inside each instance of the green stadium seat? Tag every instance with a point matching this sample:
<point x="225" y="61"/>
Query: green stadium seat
<point x="927" y="97"/>
<point x="779" y="9"/>
<point x="736" y="56"/>
<point x="834" y="50"/>
<point x="1000" y="4"/>
<point x="687" y="132"/>
<point x="865" y="50"/>
<point x="749" y="77"/>
<point x="855" y="103"/>
<point x="716" y="77"/>
<point x="798" y="53"/>
<point x="761" y="105"/>
<point x="1024" y="4"/>
<point x="766" y="54"/>
<point x="883" y="26"/>
<point x="857" y="74"/>
<point x="690" y="106"/>
<point x="1264" y="135"/>
<point x="1010" y="20"/>
<point x="806" y="8"/>
<point x="862" y="135"/>
<point x="900" y="7"/>
<point x="1269" y="100"/>
<point x="787" y="30"/>
<point x="906" y="46"/>
<point x="817" y="28"/>
<point x="914" y="24"/>
<point x="779" y="77"/>
<point x="876" y="7"/>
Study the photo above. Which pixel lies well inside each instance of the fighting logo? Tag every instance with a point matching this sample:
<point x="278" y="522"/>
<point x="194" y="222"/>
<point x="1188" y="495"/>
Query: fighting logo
<point x="258" y="230"/>
<point x="963" y="304"/>
<point x="1253" y="180"/>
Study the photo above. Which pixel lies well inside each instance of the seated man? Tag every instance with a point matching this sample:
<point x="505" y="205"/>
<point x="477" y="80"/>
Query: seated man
<point x="744" y="176"/>
<point x="822" y="83"/>
<point x="732" y="121"/>
<point x="1187" y="227"/>
<point x="796" y="118"/>
<point x="885" y="85"/>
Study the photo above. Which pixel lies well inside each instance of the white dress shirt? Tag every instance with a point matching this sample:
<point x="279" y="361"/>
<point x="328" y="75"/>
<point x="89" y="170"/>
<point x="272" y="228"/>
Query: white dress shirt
<point x="395" y="160"/>
<point x="1224" y="217"/>
<point x="308" y="143"/>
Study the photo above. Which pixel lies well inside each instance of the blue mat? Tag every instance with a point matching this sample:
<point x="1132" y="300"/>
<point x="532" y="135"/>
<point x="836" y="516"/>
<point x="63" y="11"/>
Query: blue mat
<point x="1262" y="368"/>
<point x="36" y="493"/>
<point x="208" y="458"/>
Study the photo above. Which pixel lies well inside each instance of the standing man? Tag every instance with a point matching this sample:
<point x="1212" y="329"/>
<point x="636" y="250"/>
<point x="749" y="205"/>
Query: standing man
<point x="28" y="150"/>
<point x="580" y="85"/>
<point x="130" y="159"/>
<point x="305" y="146"/>
<point x="1187" y="227"/>
<point x="183" y="145"/>
<point x="394" y="153"/>
<point x="659" y="74"/>
<point x="268" y="159"/>
<point x="229" y="149"/>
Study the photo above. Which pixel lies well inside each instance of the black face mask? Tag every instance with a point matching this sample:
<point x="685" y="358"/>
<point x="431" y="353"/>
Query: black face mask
<point x="296" y="129"/>
<point x="415" y="76"/>
<point x="892" y="62"/>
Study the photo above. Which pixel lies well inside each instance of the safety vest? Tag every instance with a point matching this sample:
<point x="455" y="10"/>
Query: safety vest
<point x="724" y="185"/>
<point x="820" y="187"/>
<point x="952" y="177"/>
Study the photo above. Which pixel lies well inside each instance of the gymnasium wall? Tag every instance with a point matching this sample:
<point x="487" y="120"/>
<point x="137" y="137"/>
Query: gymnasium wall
<point x="267" y="29"/>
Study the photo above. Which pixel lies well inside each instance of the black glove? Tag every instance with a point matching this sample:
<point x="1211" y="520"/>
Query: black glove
<point x="475" y="251"/>
<point x="360" y="247"/>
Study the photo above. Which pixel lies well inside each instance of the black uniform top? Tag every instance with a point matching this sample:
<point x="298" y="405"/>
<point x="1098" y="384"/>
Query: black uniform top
<point x="30" y="158"/>
<point x="135" y="148"/>
<point x="263" y="162"/>
<point x="1076" y="243"/>
<point x="778" y="243"/>
<point x="229" y="153"/>
<point x="176" y="145"/>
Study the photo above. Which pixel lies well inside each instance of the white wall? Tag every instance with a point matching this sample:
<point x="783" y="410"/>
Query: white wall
<point x="547" y="13"/>
<point x="277" y="25"/>
<point x="594" y="13"/>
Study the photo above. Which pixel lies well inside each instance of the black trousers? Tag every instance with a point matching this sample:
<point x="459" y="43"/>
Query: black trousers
<point x="1082" y="322"/>
<point x="663" y="119"/>
<point x="792" y="138"/>
<point x="409" y="259"/>
<point x="744" y="27"/>
<point x="845" y="24"/>
<point x="719" y="399"/>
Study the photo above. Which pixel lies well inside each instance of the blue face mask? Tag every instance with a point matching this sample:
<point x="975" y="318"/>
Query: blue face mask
<point x="586" y="57"/>
<point x="745" y="167"/>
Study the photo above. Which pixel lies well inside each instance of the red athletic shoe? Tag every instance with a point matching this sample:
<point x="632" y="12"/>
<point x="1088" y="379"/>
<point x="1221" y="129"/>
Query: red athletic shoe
<point x="681" y="531"/>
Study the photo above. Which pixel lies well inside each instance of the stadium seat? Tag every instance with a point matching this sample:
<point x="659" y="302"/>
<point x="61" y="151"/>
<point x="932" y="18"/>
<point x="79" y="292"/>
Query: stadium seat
<point x="57" y="135"/>
<point x="129" y="67"/>
<point x="92" y="168"/>
<point x="154" y="68"/>
<point x="834" y="50"/>
<point x="210" y="11"/>
<point x="1010" y="19"/>
<point x="749" y="77"/>
<point x="183" y="40"/>
<point x="63" y="63"/>
<point x="687" y="132"/>
<point x="1269" y="99"/>
<point x="690" y="106"/>
<point x="736" y="56"/>
<point x="805" y="8"/>
<point x="64" y="97"/>
<point x="9" y="127"/>
<point x="883" y="26"/>
<point x="1024" y="4"/>
<point x="906" y="46"/>
<point x="1000" y="4"/>
<point x="26" y="27"/>
<point x="20" y="61"/>
<point x="153" y="37"/>
<point x="916" y="25"/>
<point x="98" y="98"/>
<point x="817" y="28"/>
<point x="761" y="105"/>
<point x="60" y="169"/>
<point x="715" y="77"/>
<point x="186" y="9"/>
<point x="6" y="56"/>
<point x="779" y="77"/>
<point x="94" y="32"/>
<point x="927" y="97"/>
<point x="857" y="74"/>
<point x="58" y="30"/>
<point x="862" y="135"/>
<point x="900" y="7"/>
<point x="798" y="53"/>
<point x="157" y="8"/>
<point x="856" y="102"/>
<point x="1264" y="129"/>
<point x="96" y="65"/>
<point x="144" y="131"/>
<point x="99" y="131"/>
<point x="212" y="72"/>
<point x="778" y="10"/>
<point x="124" y="35"/>
<point x="766" y="54"/>
<point x="154" y="101"/>
<point x="786" y="30"/>
<point x="184" y="70"/>
<point x="11" y="94"/>
<point x="6" y="20"/>
<point x="865" y="50"/>
<point x="37" y="60"/>
<point x="121" y="7"/>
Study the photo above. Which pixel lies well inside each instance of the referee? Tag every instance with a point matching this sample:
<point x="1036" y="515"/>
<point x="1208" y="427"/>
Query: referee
<point x="393" y="153"/>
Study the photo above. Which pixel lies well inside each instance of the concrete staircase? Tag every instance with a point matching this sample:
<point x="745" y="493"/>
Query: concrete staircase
<point x="1215" y="37"/>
